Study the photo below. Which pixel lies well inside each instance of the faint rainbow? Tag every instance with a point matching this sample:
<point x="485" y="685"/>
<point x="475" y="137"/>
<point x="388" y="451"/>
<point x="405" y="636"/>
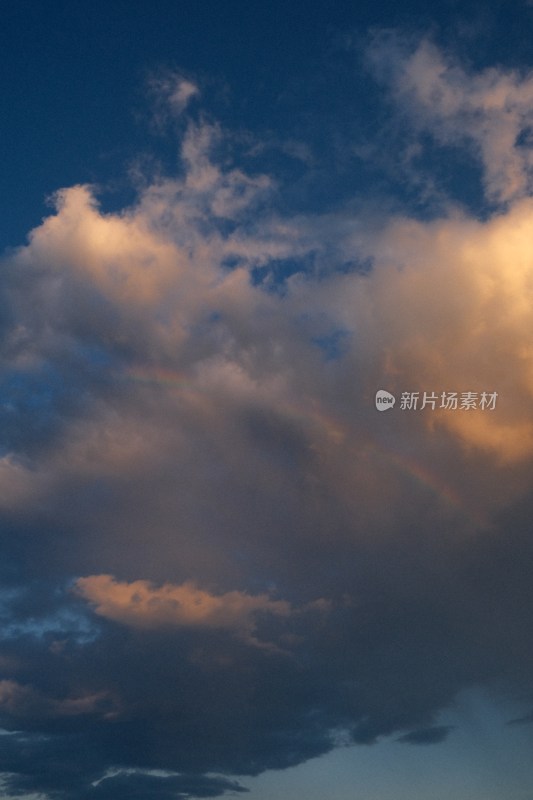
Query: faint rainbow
<point x="343" y="435"/>
<point x="336" y="431"/>
<point x="421" y="475"/>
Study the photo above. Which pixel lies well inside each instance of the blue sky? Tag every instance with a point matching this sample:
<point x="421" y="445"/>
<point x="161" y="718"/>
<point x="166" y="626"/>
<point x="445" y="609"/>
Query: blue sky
<point x="225" y="572"/>
<point x="74" y="83"/>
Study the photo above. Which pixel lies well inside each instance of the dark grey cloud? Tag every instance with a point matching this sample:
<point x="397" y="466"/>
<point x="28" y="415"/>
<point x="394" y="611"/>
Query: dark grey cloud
<point x="69" y="766"/>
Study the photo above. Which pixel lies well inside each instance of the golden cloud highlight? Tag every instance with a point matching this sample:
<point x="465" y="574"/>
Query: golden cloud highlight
<point x="449" y="307"/>
<point x="139" y="604"/>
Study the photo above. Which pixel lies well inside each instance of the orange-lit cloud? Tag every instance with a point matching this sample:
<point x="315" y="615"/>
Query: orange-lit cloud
<point x="142" y="605"/>
<point x="448" y="308"/>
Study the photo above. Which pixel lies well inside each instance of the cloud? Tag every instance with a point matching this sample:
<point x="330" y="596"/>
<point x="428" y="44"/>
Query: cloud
<point x="181" y="94"/>
<point x="451" y="312"/>
<point x="178" y="412"/>
<point x="171" y="94"/>
<point x="60" y="768"/>
<point x="490" y="110"/>
<point x="162" y="787"/>
<point x="23" y="701"/>
<point x="141" y="605"/>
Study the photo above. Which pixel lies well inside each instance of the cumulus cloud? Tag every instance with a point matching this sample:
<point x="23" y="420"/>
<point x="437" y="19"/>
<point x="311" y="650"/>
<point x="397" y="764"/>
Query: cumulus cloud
<point x="144" y="606"/>
<point x="451" y="310"/>
<point x="188" y="401"/>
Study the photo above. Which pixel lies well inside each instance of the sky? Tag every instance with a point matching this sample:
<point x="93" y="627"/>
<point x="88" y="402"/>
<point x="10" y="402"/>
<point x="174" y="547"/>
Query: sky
<point x="266" y="393"/>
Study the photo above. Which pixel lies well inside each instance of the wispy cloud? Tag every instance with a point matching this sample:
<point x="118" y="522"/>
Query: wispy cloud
<point x="171" y="94"/>
<point x="488" y="110"/>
